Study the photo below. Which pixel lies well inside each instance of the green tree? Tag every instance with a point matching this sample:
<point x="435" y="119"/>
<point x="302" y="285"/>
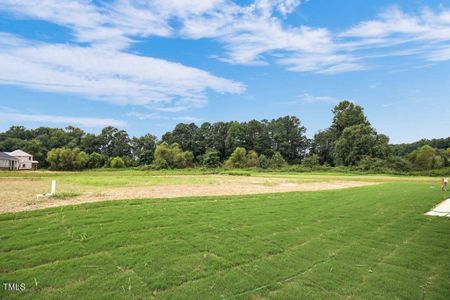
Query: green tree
<point x="277" y="161"/>
<point x="263" y="162"/>
<point x="117" y="162"/>
<point x="235" y="137"/>
<point x="347" y="114"/>
<point x="322" y="145"/>
<point x="211" y="159"/>
<point x="144" y="148"/>
<point x="171" y="156"/>
<point x="311" y="161"/>
<point x="288" y="138"/>
<point x="357" y="142"/>
<point x="237" y="159"/>
<point x="252" y="158"/>
<point x="114" y="142"/>
<point x="424" y="158"/>
<point x="97" y="160"/>
<point x="67" y="159"/>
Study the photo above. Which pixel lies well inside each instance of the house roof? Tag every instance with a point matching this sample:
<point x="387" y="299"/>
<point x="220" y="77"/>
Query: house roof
<point x="18" y="152"/>
<point x="6" y="156"/>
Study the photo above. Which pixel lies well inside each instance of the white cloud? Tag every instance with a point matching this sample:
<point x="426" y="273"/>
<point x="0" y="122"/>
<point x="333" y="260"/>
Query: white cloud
<point x="187" y="119"/>
<point x="110" y="76"/>
<point x="42" y="118"/>
<point x="308" y="98"/>
<point x="251" y="34"/>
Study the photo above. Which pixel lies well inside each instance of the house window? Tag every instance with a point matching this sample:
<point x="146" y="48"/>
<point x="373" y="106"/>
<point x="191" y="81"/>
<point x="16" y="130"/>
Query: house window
<point x="29" y="158"/>
<point x="23" y="166"/>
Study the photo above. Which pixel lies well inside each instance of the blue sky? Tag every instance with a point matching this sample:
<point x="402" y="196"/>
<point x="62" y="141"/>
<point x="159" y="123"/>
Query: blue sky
<point x="145" y="66"/>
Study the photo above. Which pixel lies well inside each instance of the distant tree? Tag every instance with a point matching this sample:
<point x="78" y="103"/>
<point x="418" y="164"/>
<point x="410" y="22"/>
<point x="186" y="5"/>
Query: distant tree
<point x="252" y="158"/>
<point x="218" y="138"/>
<point x="236" y="137"/>
<point x="90" y="143"/>
<point x="288" y="138"/>
<point x="96" y="160"/>
<point x="311" y="161"/>
<point x="347" y="114"/>
<point x="258" y="138"/>
<point x="211" y="159"/>
<point x="263" y="162"/>
<point x="74" y="136"/>
<point x="322" y="145"/>
<point x="425" y="158"/>
<point x="359" y="141"/>
<point x="277" y="161"/>
<point x="144" y="148"/>
<point x="237" y="159"/>
<point x="117" y="162"/>
<point x="67" y="159"/>
<point x="185" y="135"/>
<point x="171" y="156"/>
<point x="114" y="142"/>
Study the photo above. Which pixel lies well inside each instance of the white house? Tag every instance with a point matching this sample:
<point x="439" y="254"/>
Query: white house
<point x="24" y="160"/>
<point x="8" y="162"/>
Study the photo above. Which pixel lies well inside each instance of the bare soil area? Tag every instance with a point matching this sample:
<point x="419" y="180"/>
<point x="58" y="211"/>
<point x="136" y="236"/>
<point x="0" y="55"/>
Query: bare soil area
<point x="20" y="195"/>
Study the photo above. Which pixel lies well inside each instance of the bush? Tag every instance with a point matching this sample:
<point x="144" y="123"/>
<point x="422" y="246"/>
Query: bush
<point x="171" y="156"/>
<point x="237" y="159"/>
<point x="117" y="162"/>
<point x="311" y="161"/>
<point x="188" y="159"/>
<point x="252" y="158"/>
<point x="96" y="160"/>
<point x="424" y="158"/>
<point x="277" y="161"/>
<point x="211" y="159"/>
<point x="263" y="162"/>
<point x="67" y="159"/>
<point x="372" y="164"/>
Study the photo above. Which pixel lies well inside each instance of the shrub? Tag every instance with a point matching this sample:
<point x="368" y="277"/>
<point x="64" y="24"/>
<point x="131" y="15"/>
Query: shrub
<point x="171" y="156"/>
<point x="277" y="161"/>
<point x="211" y="159"/>
<point x="67" y="159"/>
<point x="263" y="162"/>
<point x="237" y="159"/>
<point x="188" y="159"/>
<point x="424" y="158"/>
<point x="96" y="160"/>
<point x="252" y="158"/>
<point x="117" y="162"/>
<point x="311" y="161"/>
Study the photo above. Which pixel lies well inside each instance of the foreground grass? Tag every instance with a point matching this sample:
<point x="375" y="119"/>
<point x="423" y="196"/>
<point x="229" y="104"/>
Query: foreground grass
<point x="371" y="242"/>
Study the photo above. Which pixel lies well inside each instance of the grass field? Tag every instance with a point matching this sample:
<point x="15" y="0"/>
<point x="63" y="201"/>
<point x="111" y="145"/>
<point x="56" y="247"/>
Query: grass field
<point x="368" y="242"/>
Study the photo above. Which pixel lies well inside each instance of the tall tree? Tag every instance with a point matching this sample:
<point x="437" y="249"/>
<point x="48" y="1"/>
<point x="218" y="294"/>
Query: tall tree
<point x="115" y="142"/>
<point x="288" y="138"/>
<point x="347" y="114"/>
<point x="357" y="142"/>
<point x="144" y="148"/>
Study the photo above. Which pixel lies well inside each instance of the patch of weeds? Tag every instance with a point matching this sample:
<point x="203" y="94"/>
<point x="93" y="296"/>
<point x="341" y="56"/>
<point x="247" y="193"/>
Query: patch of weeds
<point x="65" y="195"/>
<point x="234" y="173"/>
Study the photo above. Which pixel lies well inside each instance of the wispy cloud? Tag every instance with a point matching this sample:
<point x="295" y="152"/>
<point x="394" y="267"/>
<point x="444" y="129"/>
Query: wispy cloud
<point x="308" y="98"/>
<point x="45" y="119"/>
<point x="251" y="34"/>
<point x="110" y="76"/>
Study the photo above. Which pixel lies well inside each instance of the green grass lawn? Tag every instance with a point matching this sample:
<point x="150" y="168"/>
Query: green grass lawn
<point x="365" y="243"/>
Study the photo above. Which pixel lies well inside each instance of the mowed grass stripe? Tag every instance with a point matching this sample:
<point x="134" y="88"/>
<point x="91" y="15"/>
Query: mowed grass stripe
<point x="241" y="246"/>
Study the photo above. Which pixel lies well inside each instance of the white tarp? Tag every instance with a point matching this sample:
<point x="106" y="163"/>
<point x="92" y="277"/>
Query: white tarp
<point x="441" y="210"/>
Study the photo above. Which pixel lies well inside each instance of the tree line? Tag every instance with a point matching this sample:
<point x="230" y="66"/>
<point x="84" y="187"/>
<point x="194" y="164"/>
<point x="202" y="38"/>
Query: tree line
<point x="349" y="141"/>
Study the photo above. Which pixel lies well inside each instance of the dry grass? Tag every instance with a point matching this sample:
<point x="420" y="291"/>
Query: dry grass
<point x="19" y="194"/>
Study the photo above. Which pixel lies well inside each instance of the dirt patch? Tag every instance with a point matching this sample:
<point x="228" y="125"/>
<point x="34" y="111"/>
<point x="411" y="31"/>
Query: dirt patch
<point x="239" y="186"/>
